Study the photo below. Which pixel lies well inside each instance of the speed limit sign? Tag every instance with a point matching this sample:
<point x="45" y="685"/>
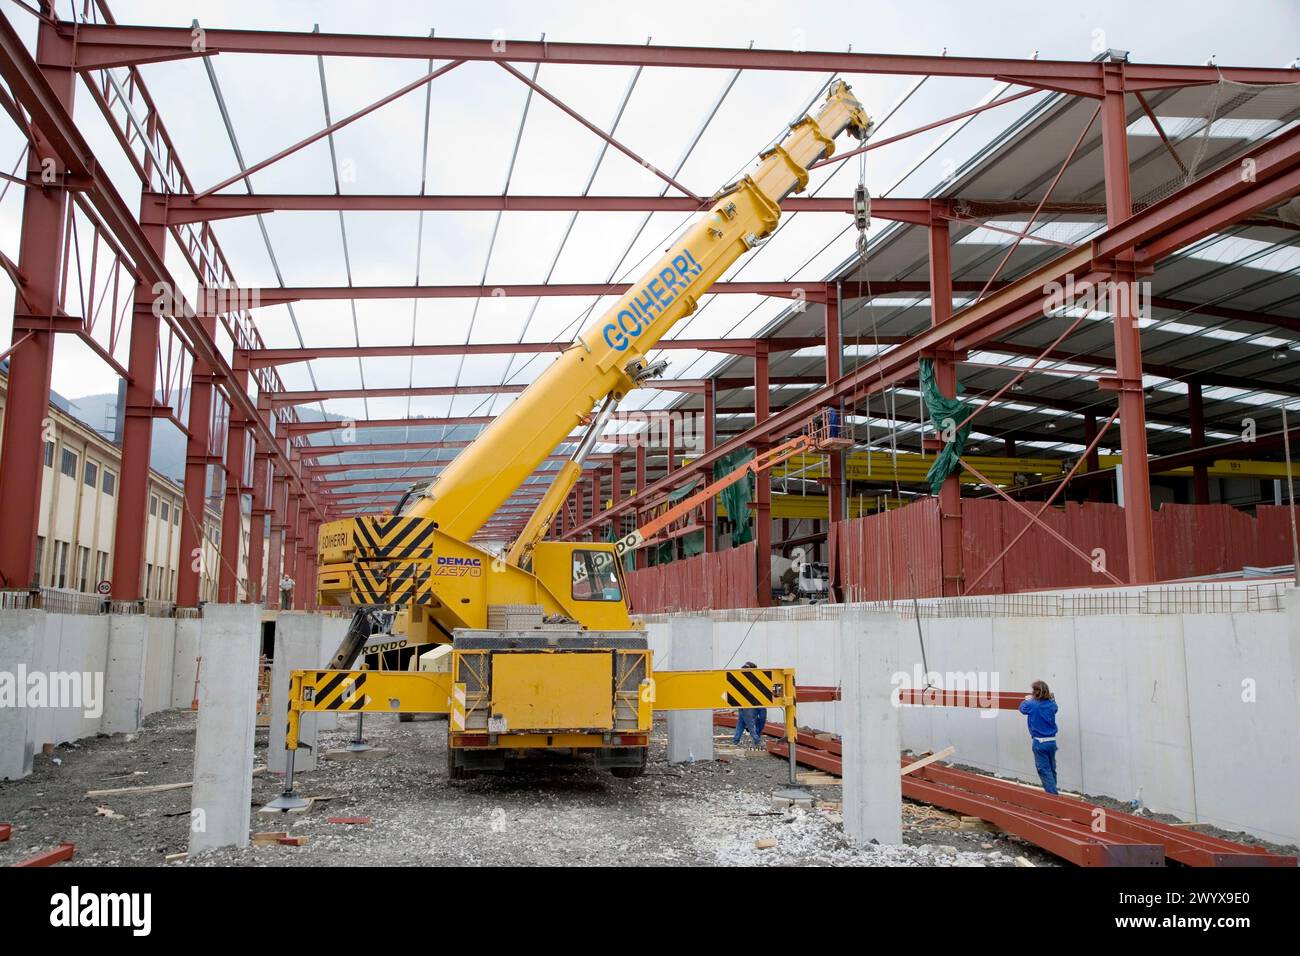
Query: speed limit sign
<point x="104" y="587"/>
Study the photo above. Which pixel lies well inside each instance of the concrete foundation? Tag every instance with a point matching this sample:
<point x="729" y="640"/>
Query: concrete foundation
<point x="19" y="633"/>
<point x="298" y="642"/>
<point x="124" y="706"/>
<point x="1197" y="709"/>
<point x="690" y="732"/>
<point x="868" y="653"/>
<point x="220" y="802"/>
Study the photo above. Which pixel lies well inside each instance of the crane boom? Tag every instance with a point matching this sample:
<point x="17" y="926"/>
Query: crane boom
<point x="606" y="356"/>
<point x="581" y="677"/>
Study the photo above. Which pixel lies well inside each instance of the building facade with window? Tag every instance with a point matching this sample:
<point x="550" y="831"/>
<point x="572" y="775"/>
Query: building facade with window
<point x="78" y="509"/>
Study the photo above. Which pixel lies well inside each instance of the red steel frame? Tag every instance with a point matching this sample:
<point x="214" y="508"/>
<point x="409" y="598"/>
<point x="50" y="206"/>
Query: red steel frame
<point x="262" y="447"/>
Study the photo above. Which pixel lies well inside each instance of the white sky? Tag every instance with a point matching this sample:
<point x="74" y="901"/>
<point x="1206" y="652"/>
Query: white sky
<point x="274" y="101"/>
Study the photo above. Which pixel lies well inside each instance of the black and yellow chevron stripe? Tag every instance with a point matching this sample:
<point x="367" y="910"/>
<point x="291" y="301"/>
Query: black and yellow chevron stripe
<point x="339" y="690"/>
<point x="393" y="537"/>
<point x="390" y="582"/>
<point x="750" y="688"/>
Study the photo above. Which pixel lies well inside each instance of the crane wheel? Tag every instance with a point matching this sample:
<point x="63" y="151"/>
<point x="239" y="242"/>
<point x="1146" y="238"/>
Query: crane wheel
<point x="635" y="770"/>
<point x="454" y="770"/>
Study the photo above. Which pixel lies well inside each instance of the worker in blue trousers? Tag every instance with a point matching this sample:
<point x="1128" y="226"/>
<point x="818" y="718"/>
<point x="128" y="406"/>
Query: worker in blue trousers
<point x="1040" y="708"/>
<point x="754" y="718"/>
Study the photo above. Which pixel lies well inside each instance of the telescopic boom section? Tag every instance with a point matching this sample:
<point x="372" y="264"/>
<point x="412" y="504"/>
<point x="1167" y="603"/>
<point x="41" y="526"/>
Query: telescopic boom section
<point x="607" y="356"/>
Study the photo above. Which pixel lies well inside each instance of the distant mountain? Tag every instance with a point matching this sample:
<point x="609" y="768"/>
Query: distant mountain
<point x="167" y="451"/>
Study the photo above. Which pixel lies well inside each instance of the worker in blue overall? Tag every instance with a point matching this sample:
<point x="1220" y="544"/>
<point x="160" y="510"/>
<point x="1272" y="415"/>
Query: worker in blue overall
<point x="832" y="422"/>
<point x="754" y="718"/>
<point x="1040" y="708"/>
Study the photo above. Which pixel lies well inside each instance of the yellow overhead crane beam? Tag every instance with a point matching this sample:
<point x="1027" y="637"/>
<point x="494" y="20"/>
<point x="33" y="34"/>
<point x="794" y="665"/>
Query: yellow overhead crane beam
<point x="878" y="466"/>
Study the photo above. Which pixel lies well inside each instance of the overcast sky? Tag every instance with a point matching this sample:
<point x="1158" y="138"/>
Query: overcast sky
<point x="476" y="110"/>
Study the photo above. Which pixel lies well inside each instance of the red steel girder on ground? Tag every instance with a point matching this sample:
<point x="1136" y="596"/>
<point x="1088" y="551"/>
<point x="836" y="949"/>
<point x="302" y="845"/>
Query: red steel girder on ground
<point x="1181" y="844"/>
<point x="98" y="46"/>
<point x="1070" y="841"/>
<point x="1060" y="824"/>
<point x="50" y="857"/>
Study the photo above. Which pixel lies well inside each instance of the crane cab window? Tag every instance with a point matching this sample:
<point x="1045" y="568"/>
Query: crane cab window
<point x="595" y="577"/>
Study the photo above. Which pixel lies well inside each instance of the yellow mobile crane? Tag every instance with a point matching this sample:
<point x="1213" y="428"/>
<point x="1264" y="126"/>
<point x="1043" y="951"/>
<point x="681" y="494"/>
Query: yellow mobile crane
<point x="584" y="680"/>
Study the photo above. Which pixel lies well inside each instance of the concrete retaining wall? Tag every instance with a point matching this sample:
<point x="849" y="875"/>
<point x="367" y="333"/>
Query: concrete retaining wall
<point x="138" y="675"/>
<point x="1196" y="713"/>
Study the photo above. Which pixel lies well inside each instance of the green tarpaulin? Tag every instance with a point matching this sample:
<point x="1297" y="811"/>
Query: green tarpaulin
<point x="945" y="414"/>
<point x="736" y="497"/>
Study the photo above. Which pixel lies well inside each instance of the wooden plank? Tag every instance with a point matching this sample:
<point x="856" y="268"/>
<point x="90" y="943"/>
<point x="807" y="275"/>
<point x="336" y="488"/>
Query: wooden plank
<point x="926" y="761"/>
<point x="152" y="788"/>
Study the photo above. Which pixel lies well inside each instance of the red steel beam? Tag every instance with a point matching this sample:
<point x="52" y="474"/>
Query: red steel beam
<point x="131" y="519"/>
<point x="184" y="208"/>
<point x="1180" y="844"/>
<point x="1022" y="301"/>
<point x="51" y="116"/>
<point x="100" y="45"/>
<point x="41" y="250"/>
<point x="262" y="357"/>
<point x="218" y="300"/>
<point x="331" y="128"/>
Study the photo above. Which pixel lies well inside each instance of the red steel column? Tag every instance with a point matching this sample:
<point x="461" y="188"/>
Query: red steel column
<point x="137" y="429"/>
<point x="275" y="543"/>
<point x="1196" y="419"/>
<point x="834" y="369"/>
<point x="616" y="489"/>
<point x="258" y="513"/>
<point x="304" y="579"/>
<point x="1128" y="339"/>
<point x="710" y="439"/>
<point x="642" y="554"/>
<point x="950" y="530"/>
<point x="763" y="491"/>
<point x="672" y="440"/>
<point x="199" y="455"/>
<point x="40" y="253"/>
<point x="1092" y="462"/>
<point x="309" y="552"/>
<point x="291" y="537"/>
<point x="232" y="523"/>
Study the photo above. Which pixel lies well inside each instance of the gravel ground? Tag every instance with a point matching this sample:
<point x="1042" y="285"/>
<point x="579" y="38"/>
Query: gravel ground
<point x="547" y="813"/>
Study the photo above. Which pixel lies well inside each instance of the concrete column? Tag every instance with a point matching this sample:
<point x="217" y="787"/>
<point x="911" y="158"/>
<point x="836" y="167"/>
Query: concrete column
<point x="128" y="634"/>
<point x="185" y="661"/>
<point x="690" y="732"/>
<point x="297" y="647"/>
<point x="220" y="802"/>
<point x="873" y="794"/>
<point x="19" y="632"/>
